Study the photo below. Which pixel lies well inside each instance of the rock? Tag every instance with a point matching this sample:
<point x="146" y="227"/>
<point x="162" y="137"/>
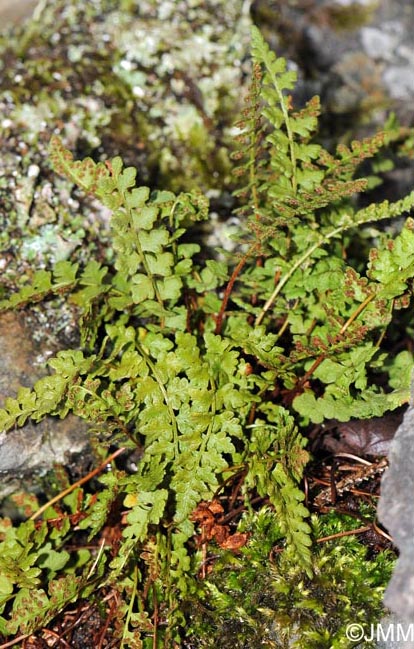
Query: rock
<point x="159" y="83"/>
<point x="357" y="55"/>
<point x="396" y="513"/>
<point x="14" y="12"/>
<point x="393" y="633"/>
<point x="34" y="448"/>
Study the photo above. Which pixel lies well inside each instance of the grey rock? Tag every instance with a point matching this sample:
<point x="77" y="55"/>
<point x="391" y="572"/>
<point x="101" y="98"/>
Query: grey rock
<point x="396" y="513"/>
<point x="400" y="81"/>
<point x="378" y="43"/>
<point x="393" y="633"/>
<point x="359" y="52"/>
<point x="34" y="448"/>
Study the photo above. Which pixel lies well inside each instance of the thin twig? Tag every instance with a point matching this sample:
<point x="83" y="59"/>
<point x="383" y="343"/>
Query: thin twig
<point x="77" y="484"/>
<point x="15" y="641"/>
<point x="341" y="534"/>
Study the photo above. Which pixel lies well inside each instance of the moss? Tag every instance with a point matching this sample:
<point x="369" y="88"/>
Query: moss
<point x="262" y="598"/>
<point x="353" y="16"/>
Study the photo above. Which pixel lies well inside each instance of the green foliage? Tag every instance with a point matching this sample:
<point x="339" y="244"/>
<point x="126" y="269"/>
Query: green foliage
<point x="262" y="598"/>
<point x="276" y="461"/>
<point x="213" y="370"/>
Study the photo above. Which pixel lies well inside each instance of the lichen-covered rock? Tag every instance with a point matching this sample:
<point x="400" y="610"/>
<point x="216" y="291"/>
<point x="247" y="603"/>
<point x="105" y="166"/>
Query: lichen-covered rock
<point x="160" y="83"/>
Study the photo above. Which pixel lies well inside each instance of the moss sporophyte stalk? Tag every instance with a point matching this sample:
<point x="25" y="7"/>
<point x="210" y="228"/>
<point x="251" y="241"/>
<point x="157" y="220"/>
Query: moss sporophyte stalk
<point x="214" y="370"/>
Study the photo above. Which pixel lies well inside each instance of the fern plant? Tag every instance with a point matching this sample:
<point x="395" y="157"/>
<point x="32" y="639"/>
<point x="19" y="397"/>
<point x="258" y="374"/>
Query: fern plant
<point x="211" y="370"/>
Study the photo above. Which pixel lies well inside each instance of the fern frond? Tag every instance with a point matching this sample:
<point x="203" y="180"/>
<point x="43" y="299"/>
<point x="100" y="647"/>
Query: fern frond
<point x="276" y="459"/>
<point x="252" y="151"/>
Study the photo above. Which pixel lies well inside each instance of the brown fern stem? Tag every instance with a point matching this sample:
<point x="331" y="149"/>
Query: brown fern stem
<point x="310" y="371"/>
<point x="357" y="311"/>
<point x="77" y="484"/>
<point x="236" y="272"/>
<point x="322" y="357"/>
